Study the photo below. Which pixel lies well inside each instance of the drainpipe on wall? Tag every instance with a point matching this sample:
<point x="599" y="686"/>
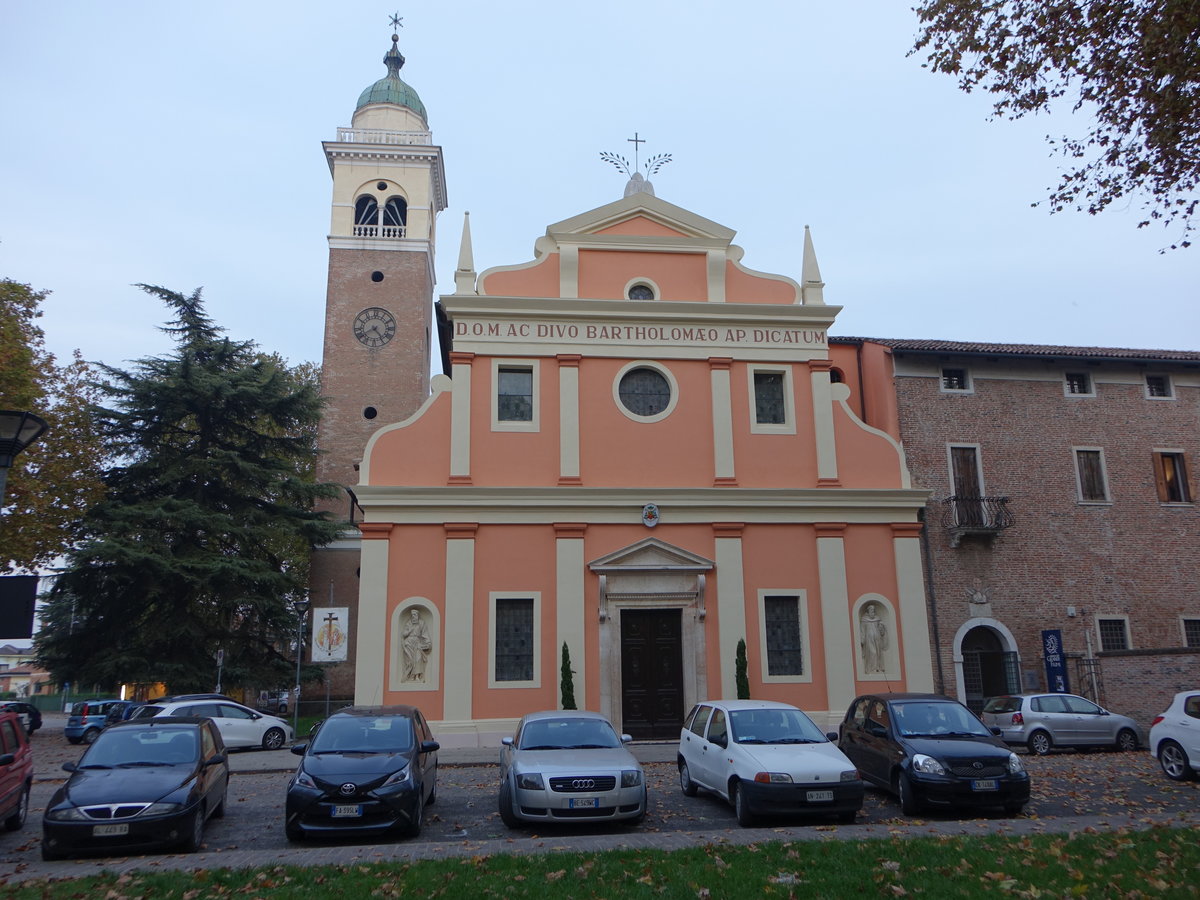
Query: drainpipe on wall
<point x="932" y="595"/>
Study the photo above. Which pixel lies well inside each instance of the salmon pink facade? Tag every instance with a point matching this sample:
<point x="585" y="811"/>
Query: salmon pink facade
<point x="643" y="454"/>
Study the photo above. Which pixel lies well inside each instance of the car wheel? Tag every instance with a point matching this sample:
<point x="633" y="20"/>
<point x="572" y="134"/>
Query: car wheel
<point x="507" y="816"/>
<point x="273" y="739"/>
<point x="639" y="819"/>
<point x="195" y="837"/>
<point x="910" y="803"/>
<point x="17" y="819"/>
<point x="741" y="807"/>
<point x="413" y="828"/>
<point x="432" y="798"/>
<point x="74" y="740"/>
<point x="292" y="831"/>
<point x="1174" y="761"/>
<point x="89" y="736"/>
<point x="1040" y="743"/>
<point x="49" y="855"/>
<point x="685" y="781"/>
<point x="219" y="810"/>
<point x="1126" y="740"/>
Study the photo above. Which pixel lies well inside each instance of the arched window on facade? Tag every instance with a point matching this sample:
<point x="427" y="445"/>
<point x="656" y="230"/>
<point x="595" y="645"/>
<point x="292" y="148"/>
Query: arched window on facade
<point x="395" y="217"/>
<point x="366" y="216"/>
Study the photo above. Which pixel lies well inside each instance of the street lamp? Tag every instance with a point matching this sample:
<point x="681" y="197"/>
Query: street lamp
<point x="17" y="431"/>
<point x="301" y="608"/>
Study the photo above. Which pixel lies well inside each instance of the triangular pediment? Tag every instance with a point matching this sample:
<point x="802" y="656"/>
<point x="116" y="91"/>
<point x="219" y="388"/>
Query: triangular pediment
<point x="644" y="207"/>
<point x="650" y="555"/>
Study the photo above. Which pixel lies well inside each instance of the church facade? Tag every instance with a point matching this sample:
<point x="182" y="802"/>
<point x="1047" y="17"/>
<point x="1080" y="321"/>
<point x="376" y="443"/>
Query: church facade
<point x="643" y="462"/>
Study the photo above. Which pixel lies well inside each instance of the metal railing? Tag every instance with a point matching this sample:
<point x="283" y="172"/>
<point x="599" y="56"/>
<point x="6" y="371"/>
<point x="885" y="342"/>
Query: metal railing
<point x="975" y="515"/>
<point x="392" y="232"/>
<point x="376" y="136"/>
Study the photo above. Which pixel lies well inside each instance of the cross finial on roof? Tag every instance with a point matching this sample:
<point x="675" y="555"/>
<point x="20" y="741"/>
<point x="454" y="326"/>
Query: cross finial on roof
<point x="635" y="140"/>
<point x="396" y="20"/>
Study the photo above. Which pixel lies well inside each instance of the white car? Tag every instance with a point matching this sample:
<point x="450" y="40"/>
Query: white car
<point x="240" y="726"/>
<point x="766" y="758"/>
<point x="1175" y="737"/>
<point x="566" y="766"/>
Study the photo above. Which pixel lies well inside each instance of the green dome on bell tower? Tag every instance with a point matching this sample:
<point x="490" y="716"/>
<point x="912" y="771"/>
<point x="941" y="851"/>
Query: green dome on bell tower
<point x="390" y="89"/>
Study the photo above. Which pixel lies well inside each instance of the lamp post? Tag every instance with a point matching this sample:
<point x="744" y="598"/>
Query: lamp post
<point x="301" y="608"/>
<point x="17" y="431"/>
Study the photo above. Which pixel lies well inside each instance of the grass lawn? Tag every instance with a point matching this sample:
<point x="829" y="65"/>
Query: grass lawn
<point x="1160" y="862"/>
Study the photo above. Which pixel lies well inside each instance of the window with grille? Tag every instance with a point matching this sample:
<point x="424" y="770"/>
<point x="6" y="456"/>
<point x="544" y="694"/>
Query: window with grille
<point x="1089" y="466"/>
<point x="1170" y="475"/>
<point x="769" y="408"/>
<point x="1114" y="634"/>
<point x="955" y="380"/>
<point x="1191" y="632"/>
<point x="785" y="654"/>
<point x="514" y="639"/>
<point x="1079" y="383"/>
<point x="1158" y="386"/>
<point x="644" y="391"/>
<point x="514" y="394"/>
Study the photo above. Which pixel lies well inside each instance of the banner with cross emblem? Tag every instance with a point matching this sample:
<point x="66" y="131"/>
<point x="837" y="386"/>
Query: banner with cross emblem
<point x="330" y="637"/>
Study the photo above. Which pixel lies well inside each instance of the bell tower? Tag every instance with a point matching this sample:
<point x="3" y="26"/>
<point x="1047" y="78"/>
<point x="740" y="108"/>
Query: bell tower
<point x="388" y="187"/>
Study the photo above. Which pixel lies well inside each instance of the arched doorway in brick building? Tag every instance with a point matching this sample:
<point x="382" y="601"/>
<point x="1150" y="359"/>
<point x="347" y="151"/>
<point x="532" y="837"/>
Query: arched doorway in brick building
<point x="986" y="662"/>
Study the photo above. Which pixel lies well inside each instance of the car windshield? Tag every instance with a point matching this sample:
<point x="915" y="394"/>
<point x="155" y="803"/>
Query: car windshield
<point x="568" y="733"/>
<point x="774" y="726"/>
<point x="931" y="719"/>
<point x="142" y="747"/>
<point x="364" y="734"/>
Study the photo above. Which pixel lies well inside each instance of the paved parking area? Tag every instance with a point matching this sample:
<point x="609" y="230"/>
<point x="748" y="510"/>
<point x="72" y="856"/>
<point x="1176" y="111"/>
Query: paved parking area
<point x="1071" y="791"/>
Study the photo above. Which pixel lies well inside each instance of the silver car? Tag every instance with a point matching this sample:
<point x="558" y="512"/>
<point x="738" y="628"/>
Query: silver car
<point x="569" y="766"/>
<point x="1044" y="721"/>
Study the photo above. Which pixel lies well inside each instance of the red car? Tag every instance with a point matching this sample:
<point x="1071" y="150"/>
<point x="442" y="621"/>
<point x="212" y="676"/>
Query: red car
<point x="16" y="771"/>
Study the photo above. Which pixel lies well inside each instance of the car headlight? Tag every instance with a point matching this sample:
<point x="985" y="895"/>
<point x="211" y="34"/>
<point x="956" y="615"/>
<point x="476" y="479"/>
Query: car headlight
<point x="66" y="814"/>
<point x="530" y="781"/>
<point x="303" y="779"/>
<point x="851" y="775"/>
<point x="927" y="764"/>
<point x="397" y="777"/>
<point x="161" y="809"/>
<point x="773" y="778"/>
<point x="1015" y="766"/>
<point x="631" y="778"/>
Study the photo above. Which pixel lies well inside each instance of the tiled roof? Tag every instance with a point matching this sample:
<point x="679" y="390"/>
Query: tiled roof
<point x="923" y="345"/>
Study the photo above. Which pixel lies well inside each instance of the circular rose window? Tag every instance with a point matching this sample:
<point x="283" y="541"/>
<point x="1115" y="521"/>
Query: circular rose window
<point x="644" y="392"/>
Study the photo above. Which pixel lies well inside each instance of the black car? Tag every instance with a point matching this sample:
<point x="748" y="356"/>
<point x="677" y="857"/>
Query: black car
<point x="142" y="784"/>
<point x="30" y="715"/>
<point x="368" y="770"/>
<point x="931" y="750"/>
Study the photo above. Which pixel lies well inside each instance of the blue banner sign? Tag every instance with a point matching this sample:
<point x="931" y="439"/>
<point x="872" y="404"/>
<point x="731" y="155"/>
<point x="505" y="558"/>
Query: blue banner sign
<point x="1056" y="662"/>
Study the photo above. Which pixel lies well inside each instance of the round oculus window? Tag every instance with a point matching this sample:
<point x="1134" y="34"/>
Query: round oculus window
<point x="644" y="391"/>
<point x="641" y="292"/>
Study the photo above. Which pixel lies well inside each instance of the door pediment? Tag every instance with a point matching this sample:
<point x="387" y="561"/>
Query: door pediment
<point x="650" y="555"/>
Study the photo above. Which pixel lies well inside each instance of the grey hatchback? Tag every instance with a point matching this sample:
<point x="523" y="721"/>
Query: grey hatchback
<point x="1044" y="721"/>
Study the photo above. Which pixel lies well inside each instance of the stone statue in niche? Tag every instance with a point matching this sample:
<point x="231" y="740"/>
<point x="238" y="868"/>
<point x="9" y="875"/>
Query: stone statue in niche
<point x="416" y="645"/>
<point x="873" y="638"/>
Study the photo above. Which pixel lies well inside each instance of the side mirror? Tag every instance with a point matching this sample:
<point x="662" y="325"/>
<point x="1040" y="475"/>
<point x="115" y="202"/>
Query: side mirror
<point x="996" y="731"/>
<point x="876" y="730"/>
<point x="299" y="749"/>
<point x="507" y="742"/>
<point x="7" y="759"/>
<point x="720" y="741"/>
<point x="831" y="736"/>
<point x="69" y="767"/>
<point x="430" y="746"/>
<point x="216" y="759"/>
<point x="626" y="739"/>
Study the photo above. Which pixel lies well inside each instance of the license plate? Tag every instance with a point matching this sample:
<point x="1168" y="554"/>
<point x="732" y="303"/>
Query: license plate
<point x="110" y="830"/>
<point x="347" y="812"/>
<point x="820" y="796"/>
<point x="985" y="784"/>
<point x="584" y="803"/>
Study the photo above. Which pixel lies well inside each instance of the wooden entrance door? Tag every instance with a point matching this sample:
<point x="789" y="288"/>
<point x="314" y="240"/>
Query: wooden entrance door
<point x="651" y="673"/>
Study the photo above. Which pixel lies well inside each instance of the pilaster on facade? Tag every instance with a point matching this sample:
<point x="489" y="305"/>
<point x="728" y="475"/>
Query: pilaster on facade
<point x="835" y="618"/>
<point x="371" y="646"/>
<point x="914" y="615"/>
<point x="568" y="419"/>
<point x="731" y="600"/>
<point x="724" y="473"/>
<point x="460" y="418"/>
<point x="823" y="430"/>
<point x="569" y="602"/>
<point x="460" y="630"/>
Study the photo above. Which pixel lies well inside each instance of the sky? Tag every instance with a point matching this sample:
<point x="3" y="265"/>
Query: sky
<point x="179" y="144"/>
